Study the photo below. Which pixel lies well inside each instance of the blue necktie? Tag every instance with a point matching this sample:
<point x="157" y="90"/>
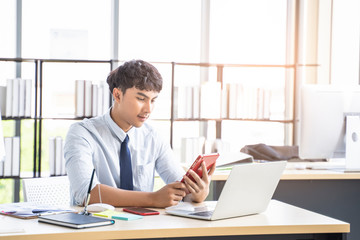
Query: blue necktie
<point x="126" y="181"/>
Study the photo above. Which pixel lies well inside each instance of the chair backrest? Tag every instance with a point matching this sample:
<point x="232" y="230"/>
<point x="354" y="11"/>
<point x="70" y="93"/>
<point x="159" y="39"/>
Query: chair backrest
<point x="54" y="191"/>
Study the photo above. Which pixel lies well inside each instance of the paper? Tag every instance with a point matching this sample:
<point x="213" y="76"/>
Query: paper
<point x="127" y="216"/>
<point x="30" y="210"/>
<point x="107" y="213"/>
<point x="191" y="206"/>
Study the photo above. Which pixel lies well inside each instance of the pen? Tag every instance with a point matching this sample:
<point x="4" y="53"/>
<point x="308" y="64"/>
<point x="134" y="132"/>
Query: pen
<point x="88" y="194"/>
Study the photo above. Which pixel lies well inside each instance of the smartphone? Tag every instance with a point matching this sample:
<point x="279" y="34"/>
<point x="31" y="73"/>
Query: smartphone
<point x="209" y="159"/>
<point x="141" y="211"/>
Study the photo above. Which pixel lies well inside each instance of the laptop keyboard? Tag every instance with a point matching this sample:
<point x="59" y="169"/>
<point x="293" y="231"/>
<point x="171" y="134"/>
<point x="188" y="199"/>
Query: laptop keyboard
<point x="203" y="214"/>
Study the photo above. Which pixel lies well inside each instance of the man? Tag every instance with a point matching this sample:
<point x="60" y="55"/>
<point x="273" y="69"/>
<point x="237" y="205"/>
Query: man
<point x="125" y="151"/>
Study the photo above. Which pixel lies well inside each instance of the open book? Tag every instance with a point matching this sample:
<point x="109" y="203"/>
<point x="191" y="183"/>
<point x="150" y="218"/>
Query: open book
<point x="229" y="159"/>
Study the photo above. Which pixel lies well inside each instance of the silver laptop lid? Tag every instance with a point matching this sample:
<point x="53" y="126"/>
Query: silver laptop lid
<point x="248" y="189"/>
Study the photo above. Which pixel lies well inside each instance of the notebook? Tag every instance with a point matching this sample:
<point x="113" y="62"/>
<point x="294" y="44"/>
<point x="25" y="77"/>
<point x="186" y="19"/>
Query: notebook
<point x="75" y="220"/>
<point x="248" y="190"/>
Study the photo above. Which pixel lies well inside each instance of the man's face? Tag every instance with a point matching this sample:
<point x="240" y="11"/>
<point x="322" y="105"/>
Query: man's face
<point x="134" y="107"/>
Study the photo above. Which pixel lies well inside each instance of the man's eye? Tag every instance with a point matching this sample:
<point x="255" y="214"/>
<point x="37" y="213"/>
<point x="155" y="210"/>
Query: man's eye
<point x="141" y="99"/>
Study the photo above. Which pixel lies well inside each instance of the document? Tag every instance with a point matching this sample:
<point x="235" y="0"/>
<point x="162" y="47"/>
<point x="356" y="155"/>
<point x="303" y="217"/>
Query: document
<point x="27" y="210"/>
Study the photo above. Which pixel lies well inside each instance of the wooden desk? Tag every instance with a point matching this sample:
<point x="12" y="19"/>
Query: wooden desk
<point x="291" y="174"/>
<point x="332" y="193"/>
<point x="280" y="219"/>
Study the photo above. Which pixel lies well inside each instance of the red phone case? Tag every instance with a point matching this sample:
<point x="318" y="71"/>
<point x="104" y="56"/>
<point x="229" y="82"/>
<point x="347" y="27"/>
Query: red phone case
<point x="141" y="211"/>
<point x="209" y="159"/>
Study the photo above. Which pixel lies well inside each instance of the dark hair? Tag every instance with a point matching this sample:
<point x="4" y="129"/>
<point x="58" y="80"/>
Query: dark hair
<point x="135" y="73"/>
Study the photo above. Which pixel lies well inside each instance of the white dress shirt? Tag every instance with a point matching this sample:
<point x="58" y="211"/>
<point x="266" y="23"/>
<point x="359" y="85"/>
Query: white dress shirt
<point x="95" y="143"/>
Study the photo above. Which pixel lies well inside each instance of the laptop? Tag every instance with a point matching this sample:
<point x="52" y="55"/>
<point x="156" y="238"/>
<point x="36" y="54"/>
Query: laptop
<point x="248" y="190"/>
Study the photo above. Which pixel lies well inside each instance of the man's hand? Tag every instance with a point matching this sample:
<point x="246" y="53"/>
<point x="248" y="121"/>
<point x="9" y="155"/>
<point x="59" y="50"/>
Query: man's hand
<point x="200" y="188"/>
<point x="169" y="195"/>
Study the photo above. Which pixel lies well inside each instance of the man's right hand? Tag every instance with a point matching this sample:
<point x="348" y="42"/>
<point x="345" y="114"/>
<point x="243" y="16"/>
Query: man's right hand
<point x="169" y="195"/>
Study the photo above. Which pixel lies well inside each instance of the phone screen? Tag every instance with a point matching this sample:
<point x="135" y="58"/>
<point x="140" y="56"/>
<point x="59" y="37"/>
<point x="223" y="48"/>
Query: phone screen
<point x="141" y="211"/>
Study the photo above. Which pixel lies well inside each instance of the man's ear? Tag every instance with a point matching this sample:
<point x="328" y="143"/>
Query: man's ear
<point x="117" y="94"/>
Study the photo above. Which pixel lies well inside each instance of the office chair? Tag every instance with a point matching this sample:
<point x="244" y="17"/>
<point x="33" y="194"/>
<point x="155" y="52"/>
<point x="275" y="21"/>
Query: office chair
<point x="53" y="191"/>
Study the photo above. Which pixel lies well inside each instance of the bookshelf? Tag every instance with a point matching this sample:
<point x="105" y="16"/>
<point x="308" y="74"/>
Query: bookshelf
<point x="225" y="77"/>
<point x="37" y="116"/>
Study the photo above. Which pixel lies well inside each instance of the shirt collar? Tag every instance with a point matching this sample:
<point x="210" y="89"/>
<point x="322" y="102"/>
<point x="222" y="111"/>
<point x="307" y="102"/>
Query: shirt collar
<point x="121" y="134"/>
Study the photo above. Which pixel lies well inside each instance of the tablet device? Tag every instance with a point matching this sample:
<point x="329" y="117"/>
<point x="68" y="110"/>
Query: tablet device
<point x="209" y="159"/>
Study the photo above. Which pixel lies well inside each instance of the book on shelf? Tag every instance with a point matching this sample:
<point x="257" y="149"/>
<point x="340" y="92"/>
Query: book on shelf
<point x="91" y="99"/>
<point x="79" y="98"/>
<point x="100" y="100"/>
<point x="88" y="100"/>
<point x="28" y="97"/>
<point x="15" y="168"/>
<point x="267" y="101"/>
<point x="249" y="102"/>
<point x="56" y="156"/>
<point x="21" y="98"/>
<point x="225" y="101"/>
<point x="216" y="146"/>
<point x="219" y="145"/>
<point x="52" y="156"/>
<point x="11" y="165"/>
<point x="103" y="98"/>
<point x="9" y="100"/>
<point x="187" y="102"/>
<point x="210" y="100"/>
<point x="177" y="103"/>
<point x="180" y="96"/>
<point x="15" y="98"/>
<point x="2" y="145"/>
<point x="94" y="100"/>
<point x="196" y="101"/>
<point x="8" y="156"/>
<point x="2" y="100"/>
<point x="191" y="147"/>
<point x="2" y="169"/>
<point x="231" y="90"/>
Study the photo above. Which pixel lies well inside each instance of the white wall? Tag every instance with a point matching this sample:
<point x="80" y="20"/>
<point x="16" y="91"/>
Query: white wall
<point x="345" y="42"/>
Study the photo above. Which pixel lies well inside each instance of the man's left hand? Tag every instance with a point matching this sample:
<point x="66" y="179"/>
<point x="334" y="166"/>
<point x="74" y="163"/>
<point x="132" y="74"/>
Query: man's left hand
<point x="199" y="188"/>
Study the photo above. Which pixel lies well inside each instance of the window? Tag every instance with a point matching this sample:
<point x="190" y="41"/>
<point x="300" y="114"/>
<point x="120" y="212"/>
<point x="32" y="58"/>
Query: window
<point x="248" y="32"/>
<point x="7" y="28"/>
<point x="160" y="30"/>
<point x="345" y="42"/>
<point x="66" y="29"/>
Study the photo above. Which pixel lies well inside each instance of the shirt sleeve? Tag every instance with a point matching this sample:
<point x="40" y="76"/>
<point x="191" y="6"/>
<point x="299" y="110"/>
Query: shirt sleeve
<point x="79" y="163"/>
<point x="166" y="166"/>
